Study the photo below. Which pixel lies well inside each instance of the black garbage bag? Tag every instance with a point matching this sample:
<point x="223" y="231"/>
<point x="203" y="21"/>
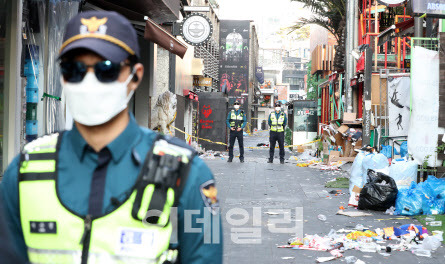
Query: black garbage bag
<point x="379" y="194"/>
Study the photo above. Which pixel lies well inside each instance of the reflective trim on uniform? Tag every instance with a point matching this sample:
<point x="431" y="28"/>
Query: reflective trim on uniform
<point x="234" y="118"/>
<point x="43" y="256"/>
<point x="277" y="124"/>
<point x="51" y="256"/>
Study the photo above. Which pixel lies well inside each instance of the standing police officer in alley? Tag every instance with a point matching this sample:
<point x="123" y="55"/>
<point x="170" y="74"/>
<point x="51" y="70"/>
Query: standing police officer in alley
<point x="108" y="191"/>
<point x="236" y="121"/>
<point x="277" y="123"/>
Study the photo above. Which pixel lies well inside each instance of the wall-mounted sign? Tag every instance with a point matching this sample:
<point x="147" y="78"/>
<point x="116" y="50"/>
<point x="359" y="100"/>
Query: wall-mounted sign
<point x="434" y="7"/>
<point x="196" y="29"/>
<point x="202" y="81"/>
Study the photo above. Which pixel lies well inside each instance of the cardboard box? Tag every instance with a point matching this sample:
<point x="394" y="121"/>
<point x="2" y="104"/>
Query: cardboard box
<point x="343" y="159"/>
<point x="349" y="117"/>
<point x="333" y="155"/>
<point x="326" y="148"/>
<point x="349" y="149"/>
<point x="339" y="141"/>
<point x="353" y="200"/>
<point x="356" y="189"/>
<point x="343" y="129"/>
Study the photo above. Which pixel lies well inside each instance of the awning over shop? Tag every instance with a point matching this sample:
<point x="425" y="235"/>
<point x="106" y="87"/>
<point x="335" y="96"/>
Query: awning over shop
<point x="395" y="30"/>
<point x="153" y="13"/>
<point x="160" y="36"/>
<point x="160" y="11"/>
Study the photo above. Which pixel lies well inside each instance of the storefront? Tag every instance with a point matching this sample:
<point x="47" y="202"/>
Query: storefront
<point x="31" y="32"/>
<point x="303" y="121"/>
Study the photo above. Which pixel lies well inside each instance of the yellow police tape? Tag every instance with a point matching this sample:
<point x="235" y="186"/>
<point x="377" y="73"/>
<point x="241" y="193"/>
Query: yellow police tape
<point x="224" y="144"/>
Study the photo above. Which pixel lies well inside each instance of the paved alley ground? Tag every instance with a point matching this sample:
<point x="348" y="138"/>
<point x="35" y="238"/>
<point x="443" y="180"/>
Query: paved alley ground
<point x="256" y="186"/>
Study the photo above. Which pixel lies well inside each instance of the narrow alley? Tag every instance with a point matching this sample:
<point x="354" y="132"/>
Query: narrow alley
<point x="275" y="187"/>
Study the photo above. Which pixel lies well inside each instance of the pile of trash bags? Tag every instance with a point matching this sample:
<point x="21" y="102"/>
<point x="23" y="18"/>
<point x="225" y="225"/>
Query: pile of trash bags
<point x="403" y="172"/>
<point x="362" y="163"/>
<point x="379" y="193"/>
<point x="386" y="150"/>
<point x="426" y="198"/>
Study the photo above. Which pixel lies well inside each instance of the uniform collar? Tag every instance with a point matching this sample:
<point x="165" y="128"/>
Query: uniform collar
<point x="117" y="147"/>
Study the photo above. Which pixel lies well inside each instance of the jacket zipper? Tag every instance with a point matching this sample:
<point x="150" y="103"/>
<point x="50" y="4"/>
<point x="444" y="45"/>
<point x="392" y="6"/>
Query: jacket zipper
<point x="85" y="240"/>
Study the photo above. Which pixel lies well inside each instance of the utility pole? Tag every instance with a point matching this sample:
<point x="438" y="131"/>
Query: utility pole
<point x="350" y="34"/>
<point x="367" y="98"/>
<point x="418" y="26"/>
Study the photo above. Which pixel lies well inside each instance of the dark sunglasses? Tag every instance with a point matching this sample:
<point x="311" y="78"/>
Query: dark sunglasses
<point x="105" y="71"/>
<point x="236" y="104"/>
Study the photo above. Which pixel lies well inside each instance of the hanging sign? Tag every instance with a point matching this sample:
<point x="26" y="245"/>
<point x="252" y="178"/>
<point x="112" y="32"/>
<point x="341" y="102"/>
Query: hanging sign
<point x="202" y="81"/>
<point x="196" y="29"/>
<point x="391" y="3"/>
<point x="259" y="74"/>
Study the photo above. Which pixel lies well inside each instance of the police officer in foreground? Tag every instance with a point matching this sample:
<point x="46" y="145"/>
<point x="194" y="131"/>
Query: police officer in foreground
<point x="236" y="121"/>
<point x="102" y="192"/>
<point x="277" y="123"/>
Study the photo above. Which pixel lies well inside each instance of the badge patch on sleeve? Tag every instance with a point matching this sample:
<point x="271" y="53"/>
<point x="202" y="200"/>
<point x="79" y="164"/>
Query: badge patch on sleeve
<point x="209" y="195"/>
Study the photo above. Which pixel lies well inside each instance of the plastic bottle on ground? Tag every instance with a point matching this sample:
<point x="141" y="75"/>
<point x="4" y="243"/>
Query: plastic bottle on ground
<point x="350" y="259"/>
<point x="422" y="253"/>
<point x="435" y="223"/>
<point x="322" y="217"/>
<point x="359" y="227"/>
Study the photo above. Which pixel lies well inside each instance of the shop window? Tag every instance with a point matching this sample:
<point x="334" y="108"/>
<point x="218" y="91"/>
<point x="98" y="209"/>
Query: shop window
<point x="44" y="27"/>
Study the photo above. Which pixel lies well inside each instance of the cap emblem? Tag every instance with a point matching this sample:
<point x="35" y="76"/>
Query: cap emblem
<point x="93" y="25"/>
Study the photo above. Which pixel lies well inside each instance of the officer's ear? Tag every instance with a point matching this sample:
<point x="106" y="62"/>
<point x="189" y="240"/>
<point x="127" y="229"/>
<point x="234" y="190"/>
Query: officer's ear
<point x="138" y="70"/>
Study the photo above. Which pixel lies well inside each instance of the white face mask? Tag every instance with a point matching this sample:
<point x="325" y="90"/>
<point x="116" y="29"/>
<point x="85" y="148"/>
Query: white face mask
<point x="236" y="107"/>
<point x="277" y="108"/>
<point x="92" y="102"/>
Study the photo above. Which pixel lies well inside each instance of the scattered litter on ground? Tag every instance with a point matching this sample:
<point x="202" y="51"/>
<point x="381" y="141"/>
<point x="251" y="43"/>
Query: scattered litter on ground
<point x="413" y="238"/>
<point x="288" y="258"/>
<point x="210" y="155"/>
<point x="390" y="211"/>
<point x="322" y="217"/>
<point x="338" y="183"/>
<point x="353" y="213"/>
<point x="393" y="218"/>
<point x="325" y="259"/>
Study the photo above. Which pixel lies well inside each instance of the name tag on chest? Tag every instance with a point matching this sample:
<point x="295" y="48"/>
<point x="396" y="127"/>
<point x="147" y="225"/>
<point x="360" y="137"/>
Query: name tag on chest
<point x="43" y="227"/>
<point x="137" y="242"/>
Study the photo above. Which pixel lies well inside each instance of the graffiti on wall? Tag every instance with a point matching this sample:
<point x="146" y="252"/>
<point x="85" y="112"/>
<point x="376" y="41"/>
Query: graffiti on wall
<point x="206" y="112"/>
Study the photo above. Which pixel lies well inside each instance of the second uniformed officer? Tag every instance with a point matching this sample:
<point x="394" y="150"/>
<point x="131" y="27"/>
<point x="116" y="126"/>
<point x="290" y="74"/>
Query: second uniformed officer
<point x="236" y="121"/>
<point x="277" y="123"/>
